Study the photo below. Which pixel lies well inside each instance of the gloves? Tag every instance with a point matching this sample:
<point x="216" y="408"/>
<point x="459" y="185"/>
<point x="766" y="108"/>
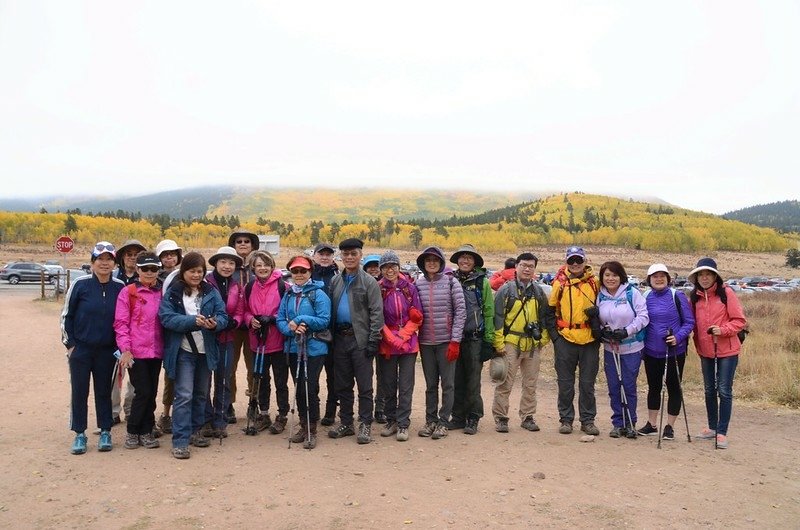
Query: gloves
<point x="415" y="315"/>
<point x="393" y="340"/>
<point x="372" y="349"/>
<point x="232" y="324"/>
<point x="265" y="320"/>
<point x="607" y="334"/>
<point x="619" y="334"/>
<point x="453" y="349"/>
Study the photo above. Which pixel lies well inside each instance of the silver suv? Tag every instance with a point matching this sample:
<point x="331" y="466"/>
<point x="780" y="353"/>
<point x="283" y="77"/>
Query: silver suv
<point x="25" y="271"/>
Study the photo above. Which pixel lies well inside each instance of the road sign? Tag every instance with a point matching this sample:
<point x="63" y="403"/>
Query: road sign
<point x="64" y="244"/>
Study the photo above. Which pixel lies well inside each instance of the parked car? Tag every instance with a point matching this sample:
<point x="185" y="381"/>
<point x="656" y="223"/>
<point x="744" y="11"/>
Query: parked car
<point x="67" y="277"/>
<point x="25" y="271"/>
<point x="53" y="268"/>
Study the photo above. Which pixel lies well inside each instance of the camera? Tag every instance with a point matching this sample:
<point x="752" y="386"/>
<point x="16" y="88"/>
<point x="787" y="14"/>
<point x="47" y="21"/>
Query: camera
<point x="593" y="314"/>
<point x="532" y="330"/>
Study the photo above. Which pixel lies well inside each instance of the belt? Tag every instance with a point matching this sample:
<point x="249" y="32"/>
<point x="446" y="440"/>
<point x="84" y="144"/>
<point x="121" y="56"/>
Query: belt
<point x="563" y="324"/>
<point x="345" y="329"/>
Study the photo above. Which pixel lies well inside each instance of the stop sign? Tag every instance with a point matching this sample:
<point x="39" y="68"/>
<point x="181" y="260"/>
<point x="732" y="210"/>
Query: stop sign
<point x="64" y="244"/>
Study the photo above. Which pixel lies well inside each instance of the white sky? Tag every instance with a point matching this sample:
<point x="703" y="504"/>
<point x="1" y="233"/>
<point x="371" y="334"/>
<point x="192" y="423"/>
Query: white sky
<point x="693" y="102"/>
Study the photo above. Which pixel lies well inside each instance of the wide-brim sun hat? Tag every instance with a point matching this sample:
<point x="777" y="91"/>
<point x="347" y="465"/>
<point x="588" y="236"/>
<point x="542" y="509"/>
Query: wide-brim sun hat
<point x="498" y="369"/>
<point x="169" y="245"/>
<point x="225" y="252"/>
<point x="249" y="235"/>
<point x="431" y="251"/>
<point x="658" y="267"/>
<point x="131" y="243"/>
<point x="704" y="264"/>
<point x="467" y="249"/>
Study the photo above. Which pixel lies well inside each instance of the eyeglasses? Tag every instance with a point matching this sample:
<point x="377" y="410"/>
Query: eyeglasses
<point x="242" y="241"/>
<point x="100" y="247"/>
<point x="526" y="266"/>
<point x="298" y="270"/>
<point x="149" y="268"/>
<point x="575" y="260"/>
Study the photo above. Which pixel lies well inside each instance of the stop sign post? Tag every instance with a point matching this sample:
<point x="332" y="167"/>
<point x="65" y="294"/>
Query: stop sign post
<point x="64" y="244"/>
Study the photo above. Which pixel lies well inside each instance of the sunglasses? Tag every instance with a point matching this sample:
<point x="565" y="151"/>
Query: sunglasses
<point x="298" y="270"/>
<point x="149" y="268"/>
<point x="241" y="241"/>
<point x="575" y="260"/>
<point x="104" y="248"/>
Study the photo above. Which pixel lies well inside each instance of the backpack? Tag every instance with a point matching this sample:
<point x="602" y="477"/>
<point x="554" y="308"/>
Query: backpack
<point x="249" y="289"/>
<point x="629" y="296"/>
<point x="474" y="306"/>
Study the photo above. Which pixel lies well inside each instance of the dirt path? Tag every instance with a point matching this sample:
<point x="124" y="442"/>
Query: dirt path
<point x="518" y="479"/>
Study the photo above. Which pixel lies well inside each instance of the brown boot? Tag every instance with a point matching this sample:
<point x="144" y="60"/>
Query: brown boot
<point x="300" y="435"/>
<point x="278" y="425"/>
<point x="311" y="442"/>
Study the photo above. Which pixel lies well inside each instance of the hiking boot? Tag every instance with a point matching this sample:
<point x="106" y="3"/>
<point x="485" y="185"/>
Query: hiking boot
<point x="278" y="425"/>
<point x="705" y="434"/>
<point x="341" y="431"/>
<point x="79" y="444"/>
<point x="380" y="417"/>
<point x="181" y="453"/>
<point x="389" y="429"/>
<point x="471" y="426"/>
<point x="616" y="432"/>
<point x="669" y="433"/>
<point x="165" y="423"/>
<point x="439" y="432"/>
<point x="590" y="428"/>
<point x="222" y="432"/>
<point x="327" y="421"/>
<point x="311" y="440"/>
<point x="198" y="440"/>
<point x="631" y="433"/>
<point x="648" y="430"/>
<point x="427" y="430"/>
<point x="565" y="428"/>
<point x="230" y="415"/>
<point x="364" y="433"/>
<point x="148" y="442"/>
<point x="104" y="443"/>
<point x="117" y="420"/>
<point x="501" y="425"/>
<point x="207" y="430"/>
<point x="263" y="422"/>
<point x="722" y="441"/>
<point x="301" y="434"/>
<point x="131" y="441"/>
<point x="252" y="410"/>
<point x="529" y="424"/>
<point x="456" y="423"/>
<point x="156" y="432"/>
<point x="402" y="434"/>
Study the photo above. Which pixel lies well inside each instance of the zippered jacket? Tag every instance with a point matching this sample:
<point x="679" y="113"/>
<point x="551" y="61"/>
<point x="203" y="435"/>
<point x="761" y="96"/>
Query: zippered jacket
<point x="399" y="331"/>
<point x="136" y="321"/>
<point x="234" y="305"/>
<point x="264" y="300"/>
<point x="514" y="307"/>
<point x="366" y="306"/>
<point x="479" y="305"/>
<point x="617" y="313"/>
<point x="664" y="316"/>
<point x="307" y="305"/>
<point x="710" y="311"/>
<point x="569" y="300"/>
<point x="89" y="310"/>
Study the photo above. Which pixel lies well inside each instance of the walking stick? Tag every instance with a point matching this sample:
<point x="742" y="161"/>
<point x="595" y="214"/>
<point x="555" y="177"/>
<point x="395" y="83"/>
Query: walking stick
<point x="716" y="384"/>
<point x="663" y="395"/>
<point x="224" y="385"/>
<point x="623" y="397"/>
<point x="680" y="389"/>
<point x="258" y="373"/>
<point x="303" y="353"/>
<point x="294" y="401"/>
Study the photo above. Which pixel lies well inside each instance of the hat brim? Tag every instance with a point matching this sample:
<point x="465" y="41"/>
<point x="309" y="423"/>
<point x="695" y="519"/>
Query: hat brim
<point x="250" y="235"/>
<point x="216" y="257"/>
<point x="693" y="275"/>
<point x="477" y="257"/>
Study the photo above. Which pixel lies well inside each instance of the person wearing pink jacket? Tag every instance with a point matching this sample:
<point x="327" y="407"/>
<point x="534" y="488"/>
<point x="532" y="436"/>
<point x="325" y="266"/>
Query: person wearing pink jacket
<point x="719" y="319"/>
<point x="262" y="298"/>
<point x="140" y="340"/>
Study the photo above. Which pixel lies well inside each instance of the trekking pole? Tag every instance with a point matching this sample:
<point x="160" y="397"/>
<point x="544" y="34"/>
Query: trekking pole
<point x="252" y="406"/>
<point x="663" y="394"/>
<point x="294" y="401"/>
<point x="304" y="354"/>
<point x="716" y="383"/>
<point x="680" y="389"/>
<point x="623" y="398"/>
<point x="224" y="384"/>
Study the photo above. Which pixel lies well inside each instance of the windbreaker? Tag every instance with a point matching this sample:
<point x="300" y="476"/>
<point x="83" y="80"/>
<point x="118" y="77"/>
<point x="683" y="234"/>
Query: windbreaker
<point x="617" y="313"/>
<point x="264" y="300"/>
<point x="307" y="304"/>
<point x="514" y="308"/>
<point x="399" y="334"/>
<point x="664" y="316"/>
<point x="136" y="321"/>
<point x="710" y="311"/>
<point x="569" y="300"/>
<point x="234" y="305"/>
<point x="89" y="310"/>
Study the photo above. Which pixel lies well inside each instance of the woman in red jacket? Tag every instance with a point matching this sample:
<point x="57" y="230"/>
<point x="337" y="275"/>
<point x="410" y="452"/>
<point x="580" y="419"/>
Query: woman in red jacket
<point x="718" y="320"/>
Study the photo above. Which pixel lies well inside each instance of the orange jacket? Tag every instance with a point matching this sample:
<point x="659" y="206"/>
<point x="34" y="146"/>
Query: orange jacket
<point x="710" y="311"/>
<point x="500" y="277"/>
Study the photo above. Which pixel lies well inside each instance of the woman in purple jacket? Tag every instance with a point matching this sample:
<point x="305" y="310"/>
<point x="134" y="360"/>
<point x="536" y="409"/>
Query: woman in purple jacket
<point x="671" y="323"/>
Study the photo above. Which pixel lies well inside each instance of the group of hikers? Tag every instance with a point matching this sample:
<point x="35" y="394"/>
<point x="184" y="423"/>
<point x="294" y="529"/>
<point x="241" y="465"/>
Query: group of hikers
<point x="366" y="324"/>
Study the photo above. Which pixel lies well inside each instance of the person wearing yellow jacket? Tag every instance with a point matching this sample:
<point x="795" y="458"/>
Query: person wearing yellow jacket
<point x="521" y="321"/>
<point x="573" y="310"/>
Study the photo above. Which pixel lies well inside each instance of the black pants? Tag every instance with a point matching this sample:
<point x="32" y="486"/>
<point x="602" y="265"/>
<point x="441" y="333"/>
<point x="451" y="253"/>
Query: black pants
<point x="144" y="374"/>
<point x="98" y="364"/>
<point x="353" y="367"/>
<point x="280" y="374"/>
<point x="330" y="385"/>
<point x="467" y="400"/>
<point x="309" y="401"/>
<point x="654" y="368"/>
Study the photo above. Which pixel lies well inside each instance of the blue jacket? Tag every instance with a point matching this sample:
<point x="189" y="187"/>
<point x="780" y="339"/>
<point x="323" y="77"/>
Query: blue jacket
<point x="311" y="307"/>
<point x="663" y="316"/>
<point x="88" y="315"/>
<point x="177" y="323"/>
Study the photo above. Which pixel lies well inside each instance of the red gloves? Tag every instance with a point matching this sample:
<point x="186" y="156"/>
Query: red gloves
<point x="415" y="315"/>
<point x="393" y="340"/>
<point x="453" y="350"/>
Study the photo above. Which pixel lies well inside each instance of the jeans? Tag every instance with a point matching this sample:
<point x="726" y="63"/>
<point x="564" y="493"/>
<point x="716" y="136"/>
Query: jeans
<point x="397" y="380"/>
<point x="436" y="368"/>
<point x="726" y="369"/>
<point x="467" y="401"/>
<point x="568" y="357"/>
<point x="216" y="407"/>
<point x="629" y="365"/>
<point x="99" y="365"/>
<point x="191" y="393"/>
<point x="144" y="377"/>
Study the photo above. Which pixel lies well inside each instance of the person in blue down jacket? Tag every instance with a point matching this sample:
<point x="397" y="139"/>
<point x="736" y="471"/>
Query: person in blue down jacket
<point x="671" y="324"/>
<point x="192" y="312"/>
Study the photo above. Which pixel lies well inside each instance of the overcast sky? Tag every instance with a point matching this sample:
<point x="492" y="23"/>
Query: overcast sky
<point x="697" y="103"/>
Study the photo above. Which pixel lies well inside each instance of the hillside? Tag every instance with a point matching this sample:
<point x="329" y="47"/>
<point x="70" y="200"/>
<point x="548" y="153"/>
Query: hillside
<point x="783" y="216"/>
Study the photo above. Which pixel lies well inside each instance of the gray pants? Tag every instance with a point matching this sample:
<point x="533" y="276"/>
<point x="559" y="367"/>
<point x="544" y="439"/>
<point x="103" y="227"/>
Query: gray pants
<point x="398" y="387"/>
<point x="568" y="357"/>
<point x="353" y="367"/>
<point x="436" y="368"/>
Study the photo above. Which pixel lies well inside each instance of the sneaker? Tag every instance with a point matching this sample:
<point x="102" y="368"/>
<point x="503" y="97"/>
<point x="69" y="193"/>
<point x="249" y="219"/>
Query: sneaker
<point x="456" y="423"/>
<point x="148" y="442"/>
<point x="165" y="423"/>
<point x="389" y="429"/>
<point x="631" y="433"/>
<point x="705" y="434"/>
<point x="230" y="415"/>
<point x="648" y="430"/>
<point x="181" y="453"/>
<point x="104" y="443"/>
<point x="341" y="431"/>
<point x="79" y="445"/>
<point x="327" y="421"/>
<point x="529" y="424"/>
<point x="117" y="420"/>
<point x="501" y="425"/>
<point x="131" y="441"/>
<point x="279" y="425"/>
<point x="380" y="417"/>
<point x="263" y="422"/>
<point x="402" y="434"/>
<point x="472" y="426"/>
<point x="669" y="433"/>
<point x="364" y="433"/>
<point x="198" y="440"/>
<point x="616" y="432"/>
<point x="222" y="432"/>
<point x="590" y="428"/>
<point x="156" y="432"/>
<point x="439" y="432"/>
<point x="722" y="441"/>
<point x="427" y="430"/>
<point x="565" y="428"/>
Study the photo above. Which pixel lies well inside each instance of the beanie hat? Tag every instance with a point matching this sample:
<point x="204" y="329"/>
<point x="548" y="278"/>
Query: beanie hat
<point x="389" y="258"/>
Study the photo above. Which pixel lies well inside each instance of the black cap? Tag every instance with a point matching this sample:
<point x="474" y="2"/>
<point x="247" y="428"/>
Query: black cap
<point x="352" y="242"/>
<point x="324" y="246"/>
